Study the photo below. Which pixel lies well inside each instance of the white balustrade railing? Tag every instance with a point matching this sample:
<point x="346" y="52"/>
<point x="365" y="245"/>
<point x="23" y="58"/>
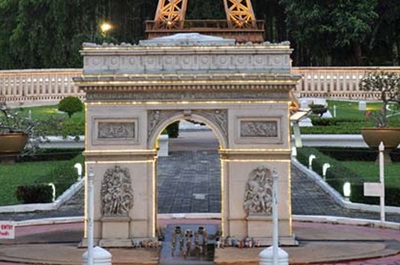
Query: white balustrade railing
<point x="51" y="85"/>
<point x="19" y="86"/>
<point x="335" y="82"/>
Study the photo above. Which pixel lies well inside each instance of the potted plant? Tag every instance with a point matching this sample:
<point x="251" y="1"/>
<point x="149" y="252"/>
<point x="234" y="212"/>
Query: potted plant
<point x="18" y="131"/>
<point x="387" y="86"/>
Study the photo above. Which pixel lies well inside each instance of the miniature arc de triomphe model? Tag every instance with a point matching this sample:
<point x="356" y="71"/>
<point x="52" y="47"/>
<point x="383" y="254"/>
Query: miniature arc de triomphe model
<point x="241" y="91"/>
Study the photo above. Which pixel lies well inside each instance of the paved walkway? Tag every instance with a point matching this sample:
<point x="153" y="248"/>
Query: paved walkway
<point x="189" y="181"/>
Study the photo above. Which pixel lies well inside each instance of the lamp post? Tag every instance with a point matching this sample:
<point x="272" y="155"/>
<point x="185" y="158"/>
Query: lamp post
<point x="310" y="159"/>
<point x="78" y="167"/>
<point x="382" y="181"/>
<point x="90" y="216"/>
<point x="274" y="255"/>
<point x="347" y="191"/>
<point x="275" y="236"/>
<point x="324" y="169"/>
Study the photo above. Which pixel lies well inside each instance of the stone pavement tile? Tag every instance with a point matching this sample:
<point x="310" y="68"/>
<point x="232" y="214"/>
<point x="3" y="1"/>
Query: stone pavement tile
<point x="322" y="242"/>
<point x="69" y="254"/>
<point x="340" y="242"/>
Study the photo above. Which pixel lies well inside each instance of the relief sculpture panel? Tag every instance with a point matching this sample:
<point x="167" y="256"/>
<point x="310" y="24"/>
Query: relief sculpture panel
<point x="258" y="192"/>
<point x="119" y="130"/>
<point x="116" y="192"/>
<point x="258" y="129"/>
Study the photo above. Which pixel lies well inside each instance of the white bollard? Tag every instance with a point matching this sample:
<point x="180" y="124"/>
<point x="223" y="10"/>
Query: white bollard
<point x="100" y="257"/>
<point x="266" y="257"/>
<point x="362" y="106"/>
<point x="163" y="145"/>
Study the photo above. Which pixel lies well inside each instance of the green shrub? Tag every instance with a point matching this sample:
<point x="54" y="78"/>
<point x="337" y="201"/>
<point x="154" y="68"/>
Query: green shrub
<point x="173" y="130"/>
<point x="70" y="105"/>
<point x="73" y="127"/>
<point x="37" y="193"/>
<point x="318" y="109"/>
<point x="64" y="176"/>
<point x="323" y="121"/>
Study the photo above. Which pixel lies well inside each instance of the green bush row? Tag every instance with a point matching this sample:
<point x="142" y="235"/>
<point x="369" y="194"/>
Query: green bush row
<point x="38" y="193"/>
<point x="337" y="175"/>
<point x="356" y="154"/>
<point x="341" y="125"/>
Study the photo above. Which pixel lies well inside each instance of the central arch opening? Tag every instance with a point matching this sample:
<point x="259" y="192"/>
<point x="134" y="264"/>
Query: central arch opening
<point x="189" y="178"/>
<point x="189" y="191"/>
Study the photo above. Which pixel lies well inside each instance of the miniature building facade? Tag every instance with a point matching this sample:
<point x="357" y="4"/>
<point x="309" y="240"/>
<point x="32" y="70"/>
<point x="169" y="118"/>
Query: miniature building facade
<point x="241" y="91"/>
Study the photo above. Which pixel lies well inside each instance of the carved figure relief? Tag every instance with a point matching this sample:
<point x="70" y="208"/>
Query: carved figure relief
<point x="118" y="130"/>
<point x="219" y="116"/>
<point x="258" y="129"/>
<point x="155" y="117"/>
<point x="116" y="192"/>
<point x="258" y="192"/>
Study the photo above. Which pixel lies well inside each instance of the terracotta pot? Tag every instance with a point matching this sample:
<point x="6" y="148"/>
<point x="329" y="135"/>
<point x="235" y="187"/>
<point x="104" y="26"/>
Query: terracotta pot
<point x="389" y="136"/>
<point x="11" y="145"/>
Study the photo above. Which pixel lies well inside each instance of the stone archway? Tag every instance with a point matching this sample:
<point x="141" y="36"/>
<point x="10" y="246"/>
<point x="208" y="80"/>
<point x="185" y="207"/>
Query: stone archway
<point x="217" y="119"/>
<point x="241" y="91"/>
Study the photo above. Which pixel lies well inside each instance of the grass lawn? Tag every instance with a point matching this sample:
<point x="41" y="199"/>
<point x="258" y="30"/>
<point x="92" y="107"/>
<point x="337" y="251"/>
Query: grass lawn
<point x="348" y="120"/>
<point x="24" y="173"/>
<point x="370" y="172"/>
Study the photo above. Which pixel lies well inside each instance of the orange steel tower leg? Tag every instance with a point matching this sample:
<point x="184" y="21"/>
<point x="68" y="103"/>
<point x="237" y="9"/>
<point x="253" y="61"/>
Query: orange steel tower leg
<point x="170" y="14"/>
<point x="239" y="13"/>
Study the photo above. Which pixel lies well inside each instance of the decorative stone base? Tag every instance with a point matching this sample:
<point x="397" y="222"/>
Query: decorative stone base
<point x="262" y="226"/>
<point x="84" y="242"/>
<point x="283" y="241"/>
<point x="116" y="242"/>
<point x="119" y="242"/>
<point x="115" y="227"/>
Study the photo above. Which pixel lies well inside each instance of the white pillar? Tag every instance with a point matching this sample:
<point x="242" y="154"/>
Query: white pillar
<point x="274" y="255"/>
<point x="163" y="145"/>
<point x="324" y="169"/>
<point x="297" y="134"/>
<point x="93" y="255"/>
<point x="100" y="257"/>
<point x="310" y="159"/>
<point x="382" y="180"/>
<point x="266" y="257"/>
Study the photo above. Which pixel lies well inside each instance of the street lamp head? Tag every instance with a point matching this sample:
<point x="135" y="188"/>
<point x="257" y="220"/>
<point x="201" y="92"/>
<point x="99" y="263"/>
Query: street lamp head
<point x="105" y="27"/>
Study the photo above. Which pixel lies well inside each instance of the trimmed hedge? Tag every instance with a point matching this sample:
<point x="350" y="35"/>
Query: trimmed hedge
<point x="338" y="174"/>
<point x="38" y="193"/>
<point x="356" y="154"/>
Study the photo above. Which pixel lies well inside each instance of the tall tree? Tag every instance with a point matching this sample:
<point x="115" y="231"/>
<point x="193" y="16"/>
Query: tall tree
<point x="8" y="14"/>
<point x="323" y="29"/>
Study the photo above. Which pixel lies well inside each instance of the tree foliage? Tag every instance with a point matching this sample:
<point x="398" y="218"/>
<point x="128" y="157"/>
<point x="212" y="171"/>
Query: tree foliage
<point x="49" y="34"/>
<point x="70" y="105"/>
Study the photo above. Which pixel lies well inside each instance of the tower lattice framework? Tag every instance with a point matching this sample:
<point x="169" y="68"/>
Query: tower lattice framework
<point x="171" y="14"/>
